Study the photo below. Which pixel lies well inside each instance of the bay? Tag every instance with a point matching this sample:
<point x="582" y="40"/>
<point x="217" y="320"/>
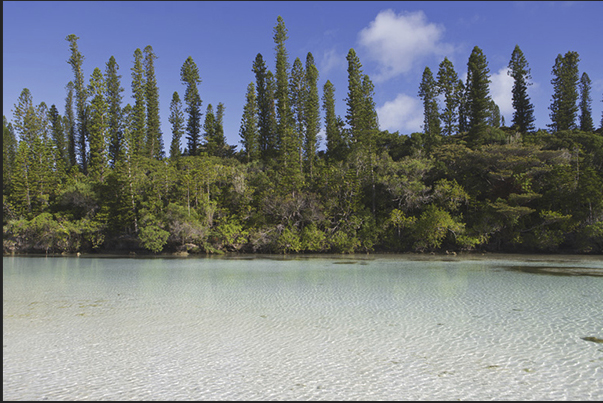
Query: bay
<point x="359" y="327"/>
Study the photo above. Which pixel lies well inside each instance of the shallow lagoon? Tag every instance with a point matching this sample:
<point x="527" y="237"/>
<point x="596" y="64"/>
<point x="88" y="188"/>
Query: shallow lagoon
<point x="378" y="327"/>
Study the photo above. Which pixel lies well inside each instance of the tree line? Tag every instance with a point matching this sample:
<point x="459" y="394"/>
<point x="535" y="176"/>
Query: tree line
<point x="97" y="178"/>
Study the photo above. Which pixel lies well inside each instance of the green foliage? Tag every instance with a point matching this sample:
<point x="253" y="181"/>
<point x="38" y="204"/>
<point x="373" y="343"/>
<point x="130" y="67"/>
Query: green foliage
<point x="523" y="115"/>
<point x="153" y="237"/>
<point x="96" y="180"/>
<point x="565" y="92"/>
<point x="431" y="116"/>
<point x="288" y="241"/>
<point x="313" y="239"/>
<point x="432" y="227"/>
<point x="189" y="75"/>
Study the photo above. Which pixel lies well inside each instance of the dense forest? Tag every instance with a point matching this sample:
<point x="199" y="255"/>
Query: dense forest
<point x="99" y="178"/>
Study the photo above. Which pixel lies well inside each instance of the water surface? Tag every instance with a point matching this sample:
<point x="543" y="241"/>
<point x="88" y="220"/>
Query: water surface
<point x="389" y="327"/>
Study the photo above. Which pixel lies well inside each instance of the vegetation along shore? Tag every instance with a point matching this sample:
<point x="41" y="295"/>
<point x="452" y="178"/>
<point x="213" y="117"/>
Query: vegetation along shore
<point x="97" y="178"/>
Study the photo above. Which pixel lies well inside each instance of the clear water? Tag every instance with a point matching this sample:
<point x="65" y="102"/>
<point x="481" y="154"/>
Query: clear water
<point x="325" y="328"/>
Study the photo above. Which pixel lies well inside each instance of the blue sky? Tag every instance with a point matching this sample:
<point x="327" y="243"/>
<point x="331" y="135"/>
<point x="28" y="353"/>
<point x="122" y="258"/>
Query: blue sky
<point x="395" y="41"/>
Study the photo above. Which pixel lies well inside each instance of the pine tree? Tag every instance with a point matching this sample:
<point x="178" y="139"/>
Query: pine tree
<point x="139" y="123"/>
<point x="311" y="114"/>
<point x="113" y="97"/>
<point x="586" y="119"/>
<point x="176" y="119"/>
<point x="335" y="142"/>
<point x="209" y="126"/>
<point x="463" y="108"/>
<point x="21" y="192"/>
<point x="478" y="92"/>
<point x="495" y="117"/>
<point x="249" y="125"/>
<point x="58" y="137"/>
<point x="523" y="116"/>
<point x="114" y="124"/>
<point x="220" y="140"/>
<point x="428" y="92"/>
<point x="70" y="126"/>
<point x="98" y="120"/>
<point x="266" y="114"/>
<point x="9" y="153"/>
<point x="25" y="118"/>
<point x="355" y="96"/>
<point x="565" y="92"/>
<point x="76" y="60"/>
<point x="189" y="75"/>
<point x="285" y="132"/>
<point x="448" y="86"/>
<point x="297" y="87"/>
<point x="154" y="138"/>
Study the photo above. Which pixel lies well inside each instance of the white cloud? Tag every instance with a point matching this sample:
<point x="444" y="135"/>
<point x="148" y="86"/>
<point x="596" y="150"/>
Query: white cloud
<point x="501" y="91"/>
<point x="403" y="114"/>
<point x="399" y="42"/>
<point x="331" y="60"/>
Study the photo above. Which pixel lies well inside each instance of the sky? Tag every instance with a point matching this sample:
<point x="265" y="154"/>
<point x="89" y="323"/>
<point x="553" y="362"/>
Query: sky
<point x="394" y="41"/>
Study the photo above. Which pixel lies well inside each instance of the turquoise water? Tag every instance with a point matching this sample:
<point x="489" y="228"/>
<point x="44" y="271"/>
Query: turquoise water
<point x="389" y="327"/>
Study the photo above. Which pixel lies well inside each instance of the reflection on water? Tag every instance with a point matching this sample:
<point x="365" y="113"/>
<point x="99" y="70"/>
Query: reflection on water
<point x="341" y="328"/>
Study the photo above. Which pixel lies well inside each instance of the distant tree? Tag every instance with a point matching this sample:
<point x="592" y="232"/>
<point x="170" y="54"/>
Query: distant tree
<point x="219" y="138"/>
<point x="70" y="126"/>
<point x="565" y="92"/>
<point x="176" y="119"/>
<point x="139" y="109"/>
<point x="335" y="141"/>
<point x="428" y="92"/>
<point x="209" y="126"/>
<point x="495" y="117"/>
<point x="463" y="108"/>
<point x="154" y="138"/>
<point x="98" y="124"/>
<point x="287" y="144"/>
<point x="25" y="119"/>
<point x="586" y="119"/>
<point x="58" y="137"/>
<point x="265" y="103"/>
<point x="297" y="95"/>
<point x="189" y="75"/>
<point x="355" y="97"/>
<point x="249" y="125"/>
<point x="478" y="92"/>
<point x="523" y="115"/>
<point x="311" y="114"/>
<point x="76" y="60"/>
<point x="448" y="86"/>
<point x="114" y="125"/>
<point x="9" y="153"/>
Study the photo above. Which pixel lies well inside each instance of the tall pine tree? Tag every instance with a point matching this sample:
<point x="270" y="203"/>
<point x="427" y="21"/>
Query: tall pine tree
<point x="70" y="126"/>
<point x="565" y="92"/>
<point x="76" y="60"/>
<point x="249" y="125"/>
<point x="176" y="119"/>
<point x="311" y="114"/>
<point x="428" y="92"/>
<point x="523" y="115"/>
<point x="154" y="138"/>
<point x="265" y="101"/>
<point x="114" y="124"/>
<point x="337" y="144"/>
<point x="98" y="124"/>
<point x="586" y="118"/>
<point x="448" y="86"/>
<point x="189" y="75"/>
<point x="478" y="93"/>
<point x="139" y="123"/>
